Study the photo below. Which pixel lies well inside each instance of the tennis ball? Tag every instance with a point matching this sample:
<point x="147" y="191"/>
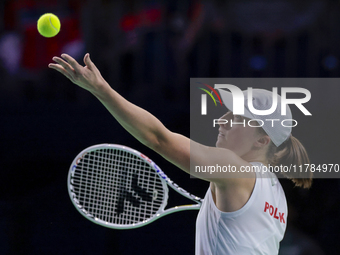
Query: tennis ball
<point x="48" y="25"/>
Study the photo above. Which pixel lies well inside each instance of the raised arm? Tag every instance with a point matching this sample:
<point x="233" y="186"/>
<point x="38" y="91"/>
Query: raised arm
<point x="143" y="125"/>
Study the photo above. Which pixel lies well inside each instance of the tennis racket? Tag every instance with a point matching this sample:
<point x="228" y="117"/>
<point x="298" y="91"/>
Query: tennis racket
<point x="118" y="187"/>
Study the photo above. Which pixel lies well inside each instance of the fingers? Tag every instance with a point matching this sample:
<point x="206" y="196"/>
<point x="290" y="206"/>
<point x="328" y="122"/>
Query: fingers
<point x="66" y="66"/>
<point x="69" y="67"/>
<point x="72" y="62"/>
<point x="61" y="69"/>
<point x="88" y="62"/>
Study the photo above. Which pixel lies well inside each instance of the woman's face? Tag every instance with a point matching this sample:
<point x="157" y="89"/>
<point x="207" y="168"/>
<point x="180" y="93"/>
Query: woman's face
<point x="236" y="135"/>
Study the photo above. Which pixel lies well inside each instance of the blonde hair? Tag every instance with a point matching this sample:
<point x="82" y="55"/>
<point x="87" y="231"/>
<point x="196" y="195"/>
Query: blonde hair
<point x="291" y="153"/>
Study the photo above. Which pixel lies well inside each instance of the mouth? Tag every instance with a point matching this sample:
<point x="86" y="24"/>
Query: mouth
<point x="220" y="134"/>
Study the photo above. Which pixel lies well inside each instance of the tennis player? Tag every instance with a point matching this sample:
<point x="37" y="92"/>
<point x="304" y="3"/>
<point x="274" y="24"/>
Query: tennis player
<point x="244" y="212"/>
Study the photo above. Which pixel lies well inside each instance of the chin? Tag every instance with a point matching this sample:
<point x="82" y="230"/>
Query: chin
<point x="220" y="144"/>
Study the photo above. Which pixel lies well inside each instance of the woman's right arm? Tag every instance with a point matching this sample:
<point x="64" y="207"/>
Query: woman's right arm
<point x="145" y="127"/>
<point x="138" y="122"/>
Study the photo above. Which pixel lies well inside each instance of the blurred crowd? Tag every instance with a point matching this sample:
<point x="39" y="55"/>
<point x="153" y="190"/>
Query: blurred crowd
<point x="160" y="44"/>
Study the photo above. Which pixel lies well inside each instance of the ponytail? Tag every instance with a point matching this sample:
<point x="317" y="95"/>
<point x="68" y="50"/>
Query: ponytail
<point x="294" y="155"/>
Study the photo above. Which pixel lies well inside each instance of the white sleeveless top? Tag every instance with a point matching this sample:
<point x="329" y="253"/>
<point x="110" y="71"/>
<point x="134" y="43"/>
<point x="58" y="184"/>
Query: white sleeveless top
<point x="256" y="228"/>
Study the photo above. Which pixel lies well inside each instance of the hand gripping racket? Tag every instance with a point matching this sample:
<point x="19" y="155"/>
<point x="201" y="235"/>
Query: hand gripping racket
<point x="118" y="187"/>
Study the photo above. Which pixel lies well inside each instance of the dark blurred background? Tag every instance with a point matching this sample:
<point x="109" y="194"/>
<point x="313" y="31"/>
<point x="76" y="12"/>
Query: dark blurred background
<point x="148" y="50"/>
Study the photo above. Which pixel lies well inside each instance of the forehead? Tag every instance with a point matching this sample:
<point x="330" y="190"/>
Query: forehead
<point x="231" y="113"/>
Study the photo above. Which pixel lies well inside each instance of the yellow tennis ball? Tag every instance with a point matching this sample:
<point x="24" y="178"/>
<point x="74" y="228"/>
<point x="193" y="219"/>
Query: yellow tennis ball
<point x="48" y="25"/>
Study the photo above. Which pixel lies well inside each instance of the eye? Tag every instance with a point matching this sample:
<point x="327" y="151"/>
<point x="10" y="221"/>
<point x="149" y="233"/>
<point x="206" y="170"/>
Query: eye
<point x="237" y="117"/>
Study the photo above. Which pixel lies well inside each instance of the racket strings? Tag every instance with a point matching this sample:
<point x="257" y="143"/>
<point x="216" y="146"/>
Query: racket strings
<point x="117" y="187"/>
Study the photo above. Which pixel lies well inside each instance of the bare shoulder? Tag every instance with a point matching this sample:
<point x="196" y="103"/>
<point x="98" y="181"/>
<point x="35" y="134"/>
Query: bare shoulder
<point x="231" y="186"/>
<point x="231" y="182"/>
<point x="218" y="165"/>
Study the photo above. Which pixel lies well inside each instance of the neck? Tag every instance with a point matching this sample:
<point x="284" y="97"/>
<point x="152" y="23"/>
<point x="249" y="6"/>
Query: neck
<point x="255" y="156"/>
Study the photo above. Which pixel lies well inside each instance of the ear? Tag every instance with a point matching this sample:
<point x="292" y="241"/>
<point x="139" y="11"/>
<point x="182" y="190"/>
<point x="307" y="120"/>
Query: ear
<point x="262" y="141"/>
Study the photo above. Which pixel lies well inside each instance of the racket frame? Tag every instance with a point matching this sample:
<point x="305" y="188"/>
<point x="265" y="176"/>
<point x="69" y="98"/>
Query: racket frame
<point x="163" y="177"/>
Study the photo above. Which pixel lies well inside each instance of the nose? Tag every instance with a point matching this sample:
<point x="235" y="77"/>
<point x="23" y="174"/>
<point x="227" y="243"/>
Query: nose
<point x="224" y="121"/>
